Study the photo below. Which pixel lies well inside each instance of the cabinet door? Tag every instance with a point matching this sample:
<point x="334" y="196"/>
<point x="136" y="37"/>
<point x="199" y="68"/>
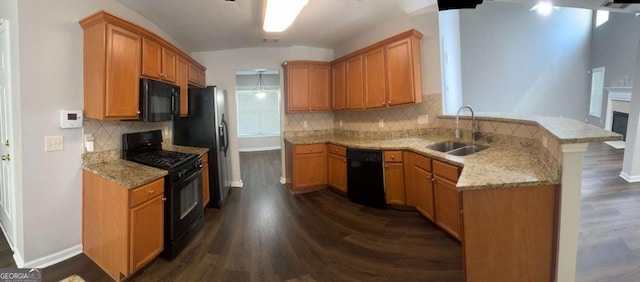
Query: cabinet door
<point x="403" y="72"/>
<point x="355" y="89"/>
<point x="123" y="73"/>
<point x="308" y="170"/>
<point x="423" y="187"/>
<point x="205" y="185"/>
<point x="168" y="65"/>
<point x="374" y="79"/>
<point x="182" y="80"/>
<point x="146" y="232"/>
<point x="394" y="183"/>
<point x="151" y="59"/>
<point x="319" y="87"/>
<point x="338" y="86"/>
<point x="298" y="87"/>
<point x="196" y="76"/>
<point x="337" y="172"/>
<point x="447" y="206"/>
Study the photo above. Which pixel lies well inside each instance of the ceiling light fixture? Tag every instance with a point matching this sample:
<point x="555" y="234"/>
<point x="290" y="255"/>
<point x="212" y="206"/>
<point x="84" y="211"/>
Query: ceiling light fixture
<point x="280" y="14"/>
<point x="261" y="90"/>
<point x="544" y="8"/>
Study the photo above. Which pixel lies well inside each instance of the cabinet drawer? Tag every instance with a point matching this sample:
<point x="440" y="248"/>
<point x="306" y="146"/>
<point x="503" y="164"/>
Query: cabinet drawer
<point x="147" y="192"/>
<point x="308" y="149"/>
<point x="446" y="171"/>
<point x="392" y="156"/>
<point x="422" y="162"/>
<point x="337" y="150"/>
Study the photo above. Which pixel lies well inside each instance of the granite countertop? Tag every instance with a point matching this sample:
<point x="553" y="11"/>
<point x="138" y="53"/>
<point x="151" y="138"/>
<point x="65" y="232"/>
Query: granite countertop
<point x="566" y="130"/>
<point x="129" y="174"/>
<point x="125" y="173"/>
<point x="498" y="166"/>
<point x="185" y="149"/>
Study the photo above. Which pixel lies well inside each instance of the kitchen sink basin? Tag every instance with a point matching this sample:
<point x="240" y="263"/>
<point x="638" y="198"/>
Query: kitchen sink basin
<point x="467" y="150"/>
<point x="446" y="146"/>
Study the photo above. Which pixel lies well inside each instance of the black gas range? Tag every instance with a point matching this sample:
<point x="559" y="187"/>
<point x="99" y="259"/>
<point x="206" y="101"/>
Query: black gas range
<point x="183" y="212"/>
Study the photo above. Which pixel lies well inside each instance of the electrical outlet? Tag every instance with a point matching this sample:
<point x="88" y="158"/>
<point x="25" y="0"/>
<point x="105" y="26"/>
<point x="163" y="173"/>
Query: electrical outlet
<point x="381" y="123"/>
<point x="53" y="143"/>
<point x="423" y="119"/>
<point x="304" y="124"/>
<point x="544" y="141"/>
<point x="340" y="123"/>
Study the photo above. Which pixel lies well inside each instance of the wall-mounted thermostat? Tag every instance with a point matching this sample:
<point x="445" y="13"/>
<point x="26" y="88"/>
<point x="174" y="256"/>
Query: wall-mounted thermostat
<point x="71" y="118"/>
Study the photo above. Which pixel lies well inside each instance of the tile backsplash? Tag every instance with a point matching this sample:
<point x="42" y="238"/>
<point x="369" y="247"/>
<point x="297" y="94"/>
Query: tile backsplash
<point x="314" y="121"/>
<point x="108" y="134"/>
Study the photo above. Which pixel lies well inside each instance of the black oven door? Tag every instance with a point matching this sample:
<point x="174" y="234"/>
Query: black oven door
<point x="158" y="100"/>
<point x="183" y="206"/>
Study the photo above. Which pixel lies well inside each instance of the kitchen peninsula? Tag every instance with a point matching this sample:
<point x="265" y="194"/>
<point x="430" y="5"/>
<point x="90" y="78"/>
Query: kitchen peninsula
<point x="518" y="200"/>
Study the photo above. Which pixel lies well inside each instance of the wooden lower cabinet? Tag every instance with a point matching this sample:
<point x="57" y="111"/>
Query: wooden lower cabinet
<point x="510" y="233"/>
<point x="122" y="229"/>
<point x="394" y="178"/>
<point x="205" y="180"/>
<point x="423" y="184"/>
<point x="337" y="167"/>
<point x="446" y="197"/>
<point x="306" y="164"/>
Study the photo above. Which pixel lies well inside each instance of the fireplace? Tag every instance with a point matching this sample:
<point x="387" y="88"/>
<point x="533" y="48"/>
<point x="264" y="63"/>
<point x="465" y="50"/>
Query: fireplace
<point x="619" y="124"/>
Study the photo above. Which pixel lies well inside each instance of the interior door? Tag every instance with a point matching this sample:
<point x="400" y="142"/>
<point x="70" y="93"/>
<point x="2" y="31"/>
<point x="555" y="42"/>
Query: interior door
<point x="6" y="151"/>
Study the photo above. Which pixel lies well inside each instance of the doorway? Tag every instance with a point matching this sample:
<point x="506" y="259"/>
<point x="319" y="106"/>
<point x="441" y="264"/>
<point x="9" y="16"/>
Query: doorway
<point x="258" y="107"/>
<point x="7" y="167"/>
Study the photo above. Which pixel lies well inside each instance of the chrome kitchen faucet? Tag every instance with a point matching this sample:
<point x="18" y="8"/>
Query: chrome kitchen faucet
<point x="474" y="126"/>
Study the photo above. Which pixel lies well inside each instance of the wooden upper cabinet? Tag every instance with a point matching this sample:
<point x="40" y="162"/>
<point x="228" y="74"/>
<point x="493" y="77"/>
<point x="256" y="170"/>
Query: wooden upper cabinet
<point x="182" y="80"/>
<point x="319" y="77"/>
<point x="307" y="86"/>
<point x="338" y="86"/>
<point x="117" y="53"/>
<point x="383" y="74"/>
<point x="197" y="76"/>
<point x="374" y="79"/>
<point x="111" y="72"/>
<point x="157" y="61"/>
<point x="355" y="87"/>
<point x="403" y="71"/>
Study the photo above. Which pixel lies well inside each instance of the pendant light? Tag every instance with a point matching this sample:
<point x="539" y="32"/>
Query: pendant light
<point x="260" y="90"/>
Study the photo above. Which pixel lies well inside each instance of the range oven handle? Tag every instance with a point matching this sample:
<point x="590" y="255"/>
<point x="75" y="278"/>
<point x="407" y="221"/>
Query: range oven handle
<point x="184" y="180"/>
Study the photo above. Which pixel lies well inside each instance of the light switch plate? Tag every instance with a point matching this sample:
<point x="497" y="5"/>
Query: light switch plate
<point x="53" y="143"/>
<point x="381" y="123"/>
<point x="423" y="119"/>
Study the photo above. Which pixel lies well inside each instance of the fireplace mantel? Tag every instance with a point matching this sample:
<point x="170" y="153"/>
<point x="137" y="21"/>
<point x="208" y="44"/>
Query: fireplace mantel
<point x="615" y="94"/>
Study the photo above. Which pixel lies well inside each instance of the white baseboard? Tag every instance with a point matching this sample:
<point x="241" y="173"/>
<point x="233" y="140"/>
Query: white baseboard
<point x="259" y="149"/>
<point x="237" y="184"/>
<point x="629" y="178"/>
<point x="283" y="180"/>
<point x="48" y="260"/>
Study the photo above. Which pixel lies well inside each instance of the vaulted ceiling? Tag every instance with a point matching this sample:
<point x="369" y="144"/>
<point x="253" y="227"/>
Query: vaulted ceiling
<point x="207" y="25"/>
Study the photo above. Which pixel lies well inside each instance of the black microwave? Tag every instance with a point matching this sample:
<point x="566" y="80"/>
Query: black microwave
<point x="159" y="101"/>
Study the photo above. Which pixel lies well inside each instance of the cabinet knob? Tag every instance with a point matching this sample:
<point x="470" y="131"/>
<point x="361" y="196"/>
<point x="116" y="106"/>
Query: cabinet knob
<point x="385" y="166"/>
<point x="383" y="103"/>
<point x="151" y="192"/>
<point x="6" y="157"/>
<point x="393" y="157"/>
<point x="389" y="102"/>
<point x="138" y="112"/>
<point x="164" y="199"/>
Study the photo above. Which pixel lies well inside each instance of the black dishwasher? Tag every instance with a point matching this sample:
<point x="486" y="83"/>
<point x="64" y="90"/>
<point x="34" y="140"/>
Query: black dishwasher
<point x="365" y="178"/>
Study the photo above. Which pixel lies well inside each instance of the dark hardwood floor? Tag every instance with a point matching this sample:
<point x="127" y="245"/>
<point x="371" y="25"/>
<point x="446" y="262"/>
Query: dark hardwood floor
<point x="265" y="234"/>
<point x="609" y="238"/>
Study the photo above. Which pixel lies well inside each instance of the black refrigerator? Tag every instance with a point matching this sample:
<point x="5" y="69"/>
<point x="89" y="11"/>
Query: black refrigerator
<point x="206" y="127"/>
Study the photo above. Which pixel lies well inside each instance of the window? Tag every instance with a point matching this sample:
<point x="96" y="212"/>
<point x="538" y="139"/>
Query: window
<point x="601" y="17"/>
<point x="258" y="116"/>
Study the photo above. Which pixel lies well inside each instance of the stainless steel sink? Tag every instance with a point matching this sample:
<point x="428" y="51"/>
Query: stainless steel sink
<point x="446" y="146"/>
<point x="467" y="150"/>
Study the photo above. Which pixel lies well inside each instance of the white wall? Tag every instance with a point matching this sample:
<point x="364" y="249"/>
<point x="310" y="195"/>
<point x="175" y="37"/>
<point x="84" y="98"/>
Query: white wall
<point x="449" y="22"/>
<point x="50" y="79"/>
<point x="613" y="46"/>
<point x="516" y="61"/>
<point x="221" y="71"/>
